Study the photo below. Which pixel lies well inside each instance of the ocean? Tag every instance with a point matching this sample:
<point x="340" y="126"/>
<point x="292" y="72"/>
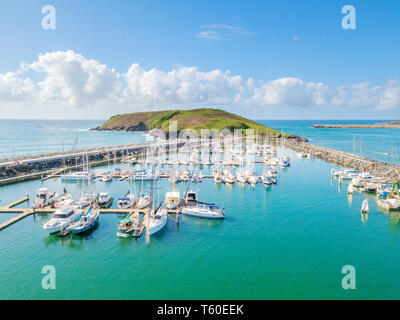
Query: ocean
<point x="288" y="241"/>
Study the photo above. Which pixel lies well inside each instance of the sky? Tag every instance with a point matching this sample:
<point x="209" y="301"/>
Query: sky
<point x="261" y="59"/>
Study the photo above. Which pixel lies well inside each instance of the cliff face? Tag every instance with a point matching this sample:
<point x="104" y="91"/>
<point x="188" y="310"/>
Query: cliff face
<point x="195" y="119"/>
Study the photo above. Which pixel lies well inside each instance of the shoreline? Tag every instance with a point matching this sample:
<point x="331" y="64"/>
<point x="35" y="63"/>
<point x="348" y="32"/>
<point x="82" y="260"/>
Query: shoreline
<point x="356" y="126"/>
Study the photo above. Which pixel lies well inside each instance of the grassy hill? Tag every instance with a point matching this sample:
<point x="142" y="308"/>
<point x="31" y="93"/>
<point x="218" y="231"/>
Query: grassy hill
<point x="195" y="119"/>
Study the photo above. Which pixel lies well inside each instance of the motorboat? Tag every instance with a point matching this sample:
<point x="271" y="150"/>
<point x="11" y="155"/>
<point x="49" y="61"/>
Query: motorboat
<point x="129" y="223"/>
<point x="172" y="199"/>
<point x="44" y="198"/>
<point x="106" y="177"/>
<point x="61" y="219"/>
<point x="104" y="199"/>
<point x="388" y="204"/>
<point x="241" y="178"/>
<point x="63" y="200"/>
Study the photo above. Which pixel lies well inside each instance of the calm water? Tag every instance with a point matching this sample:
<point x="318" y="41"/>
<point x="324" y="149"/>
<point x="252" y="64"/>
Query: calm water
<point x="372" y="143"/>
<point x="22" y="137"/>
<point x="286" y="241"/>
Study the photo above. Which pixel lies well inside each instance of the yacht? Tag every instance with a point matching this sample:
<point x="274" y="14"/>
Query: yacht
<point x="87" y="221"/>
<point x="106" y="177"/>
<point x="201" y="210"/>
<point x="44" y="198"/>
<point x="61" y="219"/>
<point x="388" y="204"/>
<point x="127" y="201"/>
<point x="86" y="200"/>
<point x="64" y="200"/>
<point x="105" y="200"/>
<point x="157" y="221"/>
<point x="172" y="199"/>
<point x="143" y="201"/>
<point x="79" y="176"/>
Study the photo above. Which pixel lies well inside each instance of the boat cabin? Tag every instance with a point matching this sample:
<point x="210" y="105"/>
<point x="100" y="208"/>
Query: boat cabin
<point x="64" y="213"/>
<point x="172" y="197"/>
<point x="191" y="197"/>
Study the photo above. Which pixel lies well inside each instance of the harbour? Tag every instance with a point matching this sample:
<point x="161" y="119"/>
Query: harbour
<point x="255" y="218"/>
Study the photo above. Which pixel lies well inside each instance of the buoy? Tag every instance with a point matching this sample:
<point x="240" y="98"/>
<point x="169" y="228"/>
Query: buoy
<point x="365" y="207"/>
<point x="350" y="189"/>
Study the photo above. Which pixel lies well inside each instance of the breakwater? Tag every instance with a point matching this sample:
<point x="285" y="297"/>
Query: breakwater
<point x="34" y="167"/>
<point x="358" y="126"/>
<point x="390" y="172"/>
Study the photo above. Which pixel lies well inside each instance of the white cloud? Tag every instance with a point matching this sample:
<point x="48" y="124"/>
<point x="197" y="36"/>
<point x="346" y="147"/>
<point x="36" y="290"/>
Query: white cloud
<point x="221" y="31"/>
<point x="69" y="80"/>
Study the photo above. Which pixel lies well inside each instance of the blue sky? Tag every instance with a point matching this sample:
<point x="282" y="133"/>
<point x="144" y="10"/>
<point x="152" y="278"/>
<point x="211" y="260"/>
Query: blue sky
<point x="262" y="40"/>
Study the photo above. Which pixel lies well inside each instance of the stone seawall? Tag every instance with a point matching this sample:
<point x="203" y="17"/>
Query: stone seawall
<point x="390" y="172"/>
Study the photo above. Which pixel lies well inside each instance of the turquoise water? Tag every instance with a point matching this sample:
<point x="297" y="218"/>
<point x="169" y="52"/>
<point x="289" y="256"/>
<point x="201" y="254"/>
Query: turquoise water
<point x="372" y="143"/>
<point x="287" y="241"/>
<point x="23" y="137"/>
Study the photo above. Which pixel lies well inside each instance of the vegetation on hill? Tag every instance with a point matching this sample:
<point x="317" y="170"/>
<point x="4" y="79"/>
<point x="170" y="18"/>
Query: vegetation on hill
<point x="195" y="119"/>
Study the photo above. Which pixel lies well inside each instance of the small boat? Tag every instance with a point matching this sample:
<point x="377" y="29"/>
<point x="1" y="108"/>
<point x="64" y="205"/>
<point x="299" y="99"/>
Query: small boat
<point x="266" y="180"/>
<point x="228" y="177"/>
<point x="129" y="223"/>
<point x="388" y="204"/>
<point x="143" y="201"/>
<point x="217" y="176"/>
<point x="365" y="206"/>
<point x="104" y="200"/>
<point x="61" y="219"/>
<point x="172" y="199"/>
<point x="127" y="201"/>
<point x="253" y="179"/>
<point x="87" y="221"/>
<point x="370" y="187"/>
<point x="44" y="198"/>
<point x="157" y="221"/>
<point x="284" y="163"/>
<point x="106" y="177"/>
<point x="241" y="178"/>
<point x="63" y="200"/>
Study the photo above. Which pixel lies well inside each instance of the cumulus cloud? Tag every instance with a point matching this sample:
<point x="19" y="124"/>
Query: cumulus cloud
<point x="66" y="79"/>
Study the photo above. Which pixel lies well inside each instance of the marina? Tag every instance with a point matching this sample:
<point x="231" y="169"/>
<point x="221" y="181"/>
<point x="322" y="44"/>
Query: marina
<point x="254" y="197"/>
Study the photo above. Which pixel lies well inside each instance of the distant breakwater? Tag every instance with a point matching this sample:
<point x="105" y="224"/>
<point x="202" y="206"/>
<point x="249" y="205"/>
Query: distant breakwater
<point x="357" y="126"/>
<point x="390" y="172"/>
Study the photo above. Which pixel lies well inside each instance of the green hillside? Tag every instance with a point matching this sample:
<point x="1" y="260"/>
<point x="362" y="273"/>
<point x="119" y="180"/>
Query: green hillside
<point x="195" y="119"/>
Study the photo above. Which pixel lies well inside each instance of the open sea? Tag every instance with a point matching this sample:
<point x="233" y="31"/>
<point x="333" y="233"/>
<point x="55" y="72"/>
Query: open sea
<point x="288" y="241"/>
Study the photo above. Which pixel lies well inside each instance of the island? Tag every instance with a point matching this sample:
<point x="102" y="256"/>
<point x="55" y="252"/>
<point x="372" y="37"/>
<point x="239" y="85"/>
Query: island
<point x="195" y="119"/>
